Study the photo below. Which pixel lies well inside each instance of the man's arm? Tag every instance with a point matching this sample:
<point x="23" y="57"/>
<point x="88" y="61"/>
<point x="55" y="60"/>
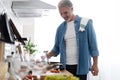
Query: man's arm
<point x="95" y="69"/>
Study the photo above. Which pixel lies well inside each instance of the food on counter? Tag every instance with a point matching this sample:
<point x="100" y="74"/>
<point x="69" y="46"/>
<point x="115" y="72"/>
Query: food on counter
<point x="28" y="76"/>
<point x="55" y="70"/>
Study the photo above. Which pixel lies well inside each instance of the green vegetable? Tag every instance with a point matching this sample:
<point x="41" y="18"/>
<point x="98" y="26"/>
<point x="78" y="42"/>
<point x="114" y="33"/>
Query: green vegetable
<point x="61" y="77"/>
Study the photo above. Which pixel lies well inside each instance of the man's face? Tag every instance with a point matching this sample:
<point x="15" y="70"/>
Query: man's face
<point x="66" y="13"/>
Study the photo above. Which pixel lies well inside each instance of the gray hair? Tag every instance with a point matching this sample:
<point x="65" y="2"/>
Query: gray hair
<point x="66" y="3"/>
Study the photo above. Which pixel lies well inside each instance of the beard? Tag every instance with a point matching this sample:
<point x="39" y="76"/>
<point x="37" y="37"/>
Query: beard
<point x="67" y="19"/>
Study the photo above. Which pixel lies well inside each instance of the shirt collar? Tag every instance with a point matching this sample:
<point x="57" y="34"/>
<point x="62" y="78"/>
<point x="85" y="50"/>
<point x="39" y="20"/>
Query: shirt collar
<point x="77" y="19"/>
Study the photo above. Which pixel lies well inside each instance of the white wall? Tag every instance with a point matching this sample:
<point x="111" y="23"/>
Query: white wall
<point x="45" y="29"/>
<point x="28" y="28"/>
<point x="106" y="17"/>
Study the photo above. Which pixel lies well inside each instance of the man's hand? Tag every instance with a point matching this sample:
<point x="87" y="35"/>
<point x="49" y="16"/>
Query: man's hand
<point x="50" y="54"/>
<point x="94" y="70"/>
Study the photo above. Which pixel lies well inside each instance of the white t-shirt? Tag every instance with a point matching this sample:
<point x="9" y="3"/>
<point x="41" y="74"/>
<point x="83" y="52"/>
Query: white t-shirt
<point x="71" y="44"/>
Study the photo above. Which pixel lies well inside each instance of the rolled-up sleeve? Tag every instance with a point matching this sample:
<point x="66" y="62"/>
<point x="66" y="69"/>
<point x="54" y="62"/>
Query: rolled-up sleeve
<point x="92" y="41"/>
<point x="56" y="44"/>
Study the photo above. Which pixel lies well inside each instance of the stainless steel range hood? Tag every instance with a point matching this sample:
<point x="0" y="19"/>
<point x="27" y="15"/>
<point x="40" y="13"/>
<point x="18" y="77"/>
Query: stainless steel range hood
<point x="30" y="8"/>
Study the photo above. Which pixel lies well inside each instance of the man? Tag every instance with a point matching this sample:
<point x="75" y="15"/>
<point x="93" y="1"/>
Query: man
<point x="74" y="46"/>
